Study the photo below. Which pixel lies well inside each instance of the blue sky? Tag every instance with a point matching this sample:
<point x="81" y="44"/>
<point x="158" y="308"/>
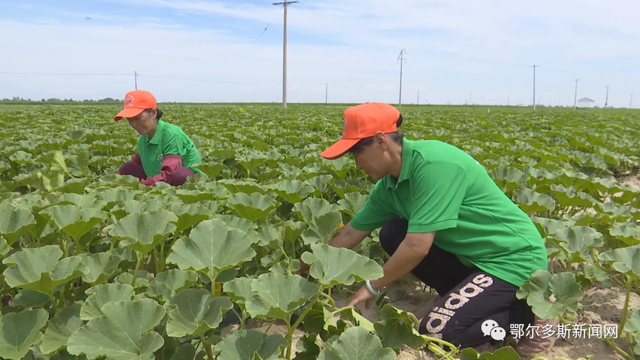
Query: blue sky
<point x="197" y="50"/>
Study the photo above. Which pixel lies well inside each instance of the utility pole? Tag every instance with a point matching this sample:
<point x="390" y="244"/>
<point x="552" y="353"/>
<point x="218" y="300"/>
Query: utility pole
<point x="284" y="53"/>
<point x="606" y="101"/>
<point x="575" y="95"/>
<point x="401" y="59"/>
<point x="326" y="94"/>
<point x="631" y="101"/>
<point x="135" y="77"/>
<point x="534" y="85"/>
<point x="418" y="102"/>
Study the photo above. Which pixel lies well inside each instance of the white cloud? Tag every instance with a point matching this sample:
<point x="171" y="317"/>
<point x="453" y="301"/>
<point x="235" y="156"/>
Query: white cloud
<point x="454" y="48"/>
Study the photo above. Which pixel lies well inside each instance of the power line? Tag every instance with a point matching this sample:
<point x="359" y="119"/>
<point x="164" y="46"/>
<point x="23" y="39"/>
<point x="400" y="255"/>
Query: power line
<point x="200" y="80"/>
<point x="64" y="74"/>
<point x="284" y="52"/>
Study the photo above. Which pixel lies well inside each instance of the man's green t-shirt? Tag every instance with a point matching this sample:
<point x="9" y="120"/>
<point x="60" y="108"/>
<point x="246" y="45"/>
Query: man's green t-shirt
<point x="168" y="139"/>
<point x="443" y="189"/>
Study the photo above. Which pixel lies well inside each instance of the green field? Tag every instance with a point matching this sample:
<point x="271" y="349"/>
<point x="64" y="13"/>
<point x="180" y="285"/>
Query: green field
<point x="96" y="264"/>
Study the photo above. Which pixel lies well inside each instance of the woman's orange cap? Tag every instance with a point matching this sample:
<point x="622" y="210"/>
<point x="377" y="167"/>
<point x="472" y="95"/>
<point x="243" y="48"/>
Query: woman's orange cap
<point x="363" y="121"/>
<point x="136" y="102"/>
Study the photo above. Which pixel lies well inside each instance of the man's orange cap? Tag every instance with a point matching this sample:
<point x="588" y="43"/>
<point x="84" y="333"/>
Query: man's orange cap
<point x="363" y="121"/>
<point x="136" y="102"/>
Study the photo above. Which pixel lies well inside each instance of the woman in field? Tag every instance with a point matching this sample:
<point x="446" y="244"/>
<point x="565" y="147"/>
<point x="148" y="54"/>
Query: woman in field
<point x="165" y="152"/>
<point x="444" y="220"/>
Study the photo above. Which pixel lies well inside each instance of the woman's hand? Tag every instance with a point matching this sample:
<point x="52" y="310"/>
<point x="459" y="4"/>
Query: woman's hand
<point x="362" y="295"/>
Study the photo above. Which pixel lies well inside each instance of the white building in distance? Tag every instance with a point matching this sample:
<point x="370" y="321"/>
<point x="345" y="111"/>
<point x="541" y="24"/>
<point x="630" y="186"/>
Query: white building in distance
<point x="586" y="103"/>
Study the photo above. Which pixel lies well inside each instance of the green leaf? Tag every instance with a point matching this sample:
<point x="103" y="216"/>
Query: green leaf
<point x="101" y="295"/>
<point x="211" y="170"/>
<point x="357" y="343"/>
<point x="322" y="228"/>
<point x="238" y="289"/>
<point x="593" y="272"/>
<point x="633" y="323"/>
<point x="60" y="328"/>
<point x="312" y="208"/>
<point x="318" y="319"/>
<point x="142" y="232"/>
<point x="187" y="352"/>
<point x="352" y="315"/>
<point x="30" y="298"/>
<point x="578" y="241"/>
<point x="211" y="248"/>
<point x="278" y="296"/>
<point x="533" y="202"/>
<point x="538" y="289"/>
<point x="308" y="348"/>
<point x="508" y="178"/>
<point x="505" y="353"/>
<point x="252" y="207"/>
<point x="102" y="267"/>
<point x="4" y="247"/>
<point x="292" y="191"/>
<point x="19" y="331"/>
<point x="124" y="333"/>
<point x="196" y="312"/>
<point x="74" y="221"/>
<point x="168" y="283"/>
<point x="41" y="269"/>
<point x="340" y="266"/>
<point x="625" y="260"/>
<point x="627" y="232"/>
<point x="189" y="215"/>
<point x="397" y="328"/>
<point x="14" y="222"/>
<point x="250" y="345"/>
<point x="353" y="202"/>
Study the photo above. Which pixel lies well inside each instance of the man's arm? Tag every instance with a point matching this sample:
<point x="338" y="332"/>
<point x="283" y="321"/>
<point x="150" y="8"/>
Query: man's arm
<point x="409" y="254"/>
<point x="348" y="237"/>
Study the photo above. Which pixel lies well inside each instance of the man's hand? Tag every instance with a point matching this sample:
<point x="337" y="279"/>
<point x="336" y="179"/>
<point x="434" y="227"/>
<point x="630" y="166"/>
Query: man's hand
<point x="362" y="295"/>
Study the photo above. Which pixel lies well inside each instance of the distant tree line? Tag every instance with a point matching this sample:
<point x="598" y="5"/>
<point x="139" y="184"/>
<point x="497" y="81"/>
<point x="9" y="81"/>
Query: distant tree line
<point x="17" y="99"/>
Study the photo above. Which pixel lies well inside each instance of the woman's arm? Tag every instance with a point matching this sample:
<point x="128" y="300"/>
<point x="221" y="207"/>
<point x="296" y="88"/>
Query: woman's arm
<point x="168" y="167"/>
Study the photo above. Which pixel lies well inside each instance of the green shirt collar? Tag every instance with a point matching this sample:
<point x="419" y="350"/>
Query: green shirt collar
<point x="407" y="160"/>
<point x="157" y="137"/>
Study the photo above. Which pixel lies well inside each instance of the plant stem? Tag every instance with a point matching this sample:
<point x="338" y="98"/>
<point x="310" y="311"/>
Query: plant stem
<point x="442" y="342"/>
<point x="328" y="297"/>
<point x="207" y="348"/>
<point x="270" y="325"/>
<point x="630" y="344"/>
<point x="626" y="306"/>
<point x="289" y="336"/>
<point x="162" y="263"/>
<point x="616" y="348"/>
<point x="62" y="302"/>
<point x="563" y="320"/>
<point x="138" y="266"/>
<point x="53" y="302"/>
<point x="241" y="318"/>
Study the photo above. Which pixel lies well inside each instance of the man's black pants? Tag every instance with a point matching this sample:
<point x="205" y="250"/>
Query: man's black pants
<point x="468" y="295"/>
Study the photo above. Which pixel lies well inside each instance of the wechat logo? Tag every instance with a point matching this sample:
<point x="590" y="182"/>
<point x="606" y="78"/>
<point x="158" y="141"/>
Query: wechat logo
<point x="491" y="328"/>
